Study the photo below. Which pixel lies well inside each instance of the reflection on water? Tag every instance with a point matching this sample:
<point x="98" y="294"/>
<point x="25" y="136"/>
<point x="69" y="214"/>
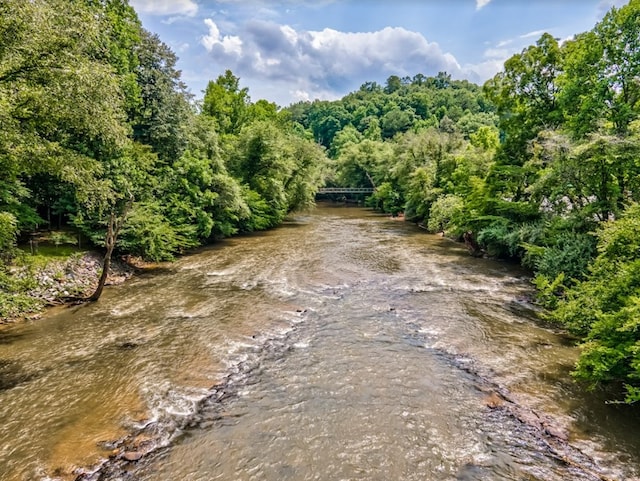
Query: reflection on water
<point x="344" y="345"/>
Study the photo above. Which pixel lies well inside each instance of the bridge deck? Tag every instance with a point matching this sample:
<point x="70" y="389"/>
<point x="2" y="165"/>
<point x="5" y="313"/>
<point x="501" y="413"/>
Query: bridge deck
<point x="345" y="190"/>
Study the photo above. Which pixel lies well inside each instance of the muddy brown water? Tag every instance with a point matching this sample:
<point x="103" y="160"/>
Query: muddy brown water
<point x="341" y="346"/>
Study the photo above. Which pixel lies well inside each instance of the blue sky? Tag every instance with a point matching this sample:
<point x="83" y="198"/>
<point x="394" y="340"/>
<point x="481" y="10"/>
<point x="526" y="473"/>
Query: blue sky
<point x="290" y="50"/>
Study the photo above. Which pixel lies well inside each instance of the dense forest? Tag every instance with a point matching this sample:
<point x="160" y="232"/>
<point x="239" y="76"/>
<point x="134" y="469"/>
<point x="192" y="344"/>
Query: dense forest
<point x="539" y="166"/>
<point x="100" y="134"/>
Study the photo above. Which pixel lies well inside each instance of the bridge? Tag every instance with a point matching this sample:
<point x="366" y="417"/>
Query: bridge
<point x="346" y="190"/>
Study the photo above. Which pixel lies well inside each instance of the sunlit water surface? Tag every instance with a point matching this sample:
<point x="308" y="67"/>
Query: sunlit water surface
<point x="341" y="346"/>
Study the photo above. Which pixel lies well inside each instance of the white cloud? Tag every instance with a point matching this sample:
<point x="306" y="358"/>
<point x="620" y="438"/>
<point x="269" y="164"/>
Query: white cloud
<point x="535" y="33"/>
<point x="496" y="53"/>
<point x="166" y="7"/>
<point x="483" y="71"/>
<point x="181" y="47"/>
<point x="321" y="64"/>
<point x="227" y="44"/>
<point x="482" y="3"/>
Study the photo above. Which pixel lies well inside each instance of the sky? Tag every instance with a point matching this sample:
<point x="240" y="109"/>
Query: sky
<point x="286" y="51"/>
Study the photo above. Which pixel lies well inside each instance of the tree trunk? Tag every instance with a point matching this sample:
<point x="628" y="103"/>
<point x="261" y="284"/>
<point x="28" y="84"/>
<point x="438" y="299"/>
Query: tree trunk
<point x="472" y="245"/>
<point x="110" y="243"/>
<point x="113" y="228"/>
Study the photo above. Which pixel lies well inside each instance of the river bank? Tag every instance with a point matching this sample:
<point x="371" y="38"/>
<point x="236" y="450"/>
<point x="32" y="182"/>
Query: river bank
<point x="58" y="280"/>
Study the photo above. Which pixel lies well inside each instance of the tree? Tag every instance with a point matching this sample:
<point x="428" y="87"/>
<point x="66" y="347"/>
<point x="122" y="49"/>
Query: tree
<point x="525" y="94"/>
<point x="619" y="32"/>
<point x="363" y="164"/>
<point x="113" y="228"/>
<point x="396" y="121"/>
<point x="605" y="309"/>
<point x="393" y="84"/>
<point x="164" y="113"/>
<point x="226" y="102"/>
<point x="61" y="107"/>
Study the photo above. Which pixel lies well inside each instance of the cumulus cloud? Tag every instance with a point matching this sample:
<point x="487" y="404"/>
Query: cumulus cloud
<point x="166" y="7"/>
<point x="217" y="44"/>
<point x="327" y="63"/>
<point x="481" y="3"/>
<point x="480" y="72"/>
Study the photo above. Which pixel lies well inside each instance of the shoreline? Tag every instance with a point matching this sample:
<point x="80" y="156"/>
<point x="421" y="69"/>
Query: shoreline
<point x="73" y="277"/>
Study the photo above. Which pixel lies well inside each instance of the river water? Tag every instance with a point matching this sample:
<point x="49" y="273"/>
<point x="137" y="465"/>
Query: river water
<point x="341" y="346"/>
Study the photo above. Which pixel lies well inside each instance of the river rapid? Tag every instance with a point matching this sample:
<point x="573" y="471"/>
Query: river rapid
<point x="343" y="345"/>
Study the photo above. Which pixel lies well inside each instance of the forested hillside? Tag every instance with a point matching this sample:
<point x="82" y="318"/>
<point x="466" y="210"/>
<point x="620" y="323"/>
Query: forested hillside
<point x="101" y="137"/>
<point x="541" y="165"/>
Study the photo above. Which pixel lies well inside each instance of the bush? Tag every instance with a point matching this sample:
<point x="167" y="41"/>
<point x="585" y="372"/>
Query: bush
<point x="8" y="234"/>
<point x="147" y="233"/>
<point x="498" y="239"/>
<point x="444" y="213"/>
<point x="604" y="308"/>
<point x="570" y="256"/>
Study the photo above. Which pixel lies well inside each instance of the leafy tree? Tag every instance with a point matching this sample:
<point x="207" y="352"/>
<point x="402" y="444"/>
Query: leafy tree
<point x="164" y="114"/>
<point x="280" y="172"/>
<point x="61" y="109"/>
<point x="604" y="308"/>
<point x="363" y="164"/>
<point x="395" y="121"/>
<point x="444" y="212"/>
<point x="619" y="33"/>
<point x="226" y="102"/>
<point x="348" y="135"/>
<point x="387" y="198"/>
<point x="325" y="120"/>
<point x="525" y="94"/>
<point x="393" y="84"/>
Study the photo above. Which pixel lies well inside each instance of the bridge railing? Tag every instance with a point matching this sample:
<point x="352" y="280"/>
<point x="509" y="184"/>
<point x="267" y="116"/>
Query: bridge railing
<point x="345" y="190"/>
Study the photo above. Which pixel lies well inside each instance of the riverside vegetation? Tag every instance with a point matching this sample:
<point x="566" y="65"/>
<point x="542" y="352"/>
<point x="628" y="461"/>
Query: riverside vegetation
<point x="540" y="165"/>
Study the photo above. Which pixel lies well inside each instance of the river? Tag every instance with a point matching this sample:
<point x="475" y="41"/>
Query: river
<point x="343" y="345"/>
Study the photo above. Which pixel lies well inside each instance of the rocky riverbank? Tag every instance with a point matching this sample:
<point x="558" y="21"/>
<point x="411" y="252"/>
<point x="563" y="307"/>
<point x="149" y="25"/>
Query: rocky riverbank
<point x="74" y="277"/>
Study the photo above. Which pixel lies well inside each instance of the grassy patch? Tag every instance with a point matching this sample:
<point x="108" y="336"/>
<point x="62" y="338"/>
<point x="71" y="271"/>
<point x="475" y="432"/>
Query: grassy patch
<point x="46" y="254"/>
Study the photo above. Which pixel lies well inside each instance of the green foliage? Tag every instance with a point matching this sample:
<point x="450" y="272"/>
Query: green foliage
<point x="226" y="102"/>
<point x="570" y="255"/>
<point x="58" y="238"/>
<point x="148" y="233"/>
<point x="261" y="217"/>
<point x="16" y="304"/>
<point x="499" y="239"/>
<point x="8" y="234"/>
<point x="162" y="119"/>
<point x="605" y="307"/>
<point x="549" y="292"/>
<point x="395" y="121"/>
<point x="387" y="199"/>
<point x="445" y="213"/>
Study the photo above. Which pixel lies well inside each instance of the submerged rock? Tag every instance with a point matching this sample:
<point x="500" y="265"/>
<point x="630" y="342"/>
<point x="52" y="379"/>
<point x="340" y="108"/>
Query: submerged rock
<point x="132" y="456"/>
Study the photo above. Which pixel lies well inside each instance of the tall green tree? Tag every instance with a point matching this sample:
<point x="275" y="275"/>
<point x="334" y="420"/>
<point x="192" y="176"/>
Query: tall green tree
<point x="226" y="102"/>
<point x="163" y="116"/>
